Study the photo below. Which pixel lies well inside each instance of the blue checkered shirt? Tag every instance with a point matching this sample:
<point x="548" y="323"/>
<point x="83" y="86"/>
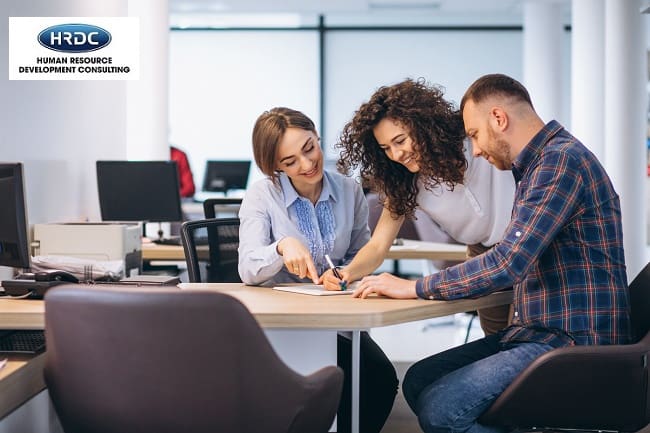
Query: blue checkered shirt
<point x="562" y="252"/>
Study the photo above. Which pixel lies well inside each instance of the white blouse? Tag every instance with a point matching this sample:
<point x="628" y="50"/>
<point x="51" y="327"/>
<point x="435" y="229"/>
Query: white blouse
<point x="477" y="211"/>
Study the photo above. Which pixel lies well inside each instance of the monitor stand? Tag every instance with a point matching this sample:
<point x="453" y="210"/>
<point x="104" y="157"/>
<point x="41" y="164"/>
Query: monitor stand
<point x="161" y="240"/>
<point x="160" y="232"/>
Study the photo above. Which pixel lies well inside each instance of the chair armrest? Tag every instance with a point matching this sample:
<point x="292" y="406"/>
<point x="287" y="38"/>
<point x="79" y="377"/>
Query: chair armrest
<point x="583" y="387"/>
<point x="323" y="392"/>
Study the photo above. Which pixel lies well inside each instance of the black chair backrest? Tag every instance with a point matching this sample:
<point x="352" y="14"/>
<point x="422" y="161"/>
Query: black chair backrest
<point x="211" y="206"/>
<point x="211" y="250"/>
<point x="640" y="302"/>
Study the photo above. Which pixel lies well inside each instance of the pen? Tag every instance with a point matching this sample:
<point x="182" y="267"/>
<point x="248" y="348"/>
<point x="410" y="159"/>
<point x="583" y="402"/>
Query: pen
<point x="336" y="272"/>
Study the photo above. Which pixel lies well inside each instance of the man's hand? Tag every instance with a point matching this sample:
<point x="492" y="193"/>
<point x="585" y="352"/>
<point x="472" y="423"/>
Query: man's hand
<point x="387" y="285"/>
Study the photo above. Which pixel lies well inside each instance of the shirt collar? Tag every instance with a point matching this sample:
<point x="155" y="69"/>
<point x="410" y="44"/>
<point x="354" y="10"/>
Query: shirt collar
<point x="529" y="153"/>
<point x="291" y="195"/>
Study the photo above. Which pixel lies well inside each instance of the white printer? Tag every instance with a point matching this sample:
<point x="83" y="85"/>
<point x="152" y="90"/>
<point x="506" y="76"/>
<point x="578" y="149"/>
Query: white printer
<point x="93" y="240"/>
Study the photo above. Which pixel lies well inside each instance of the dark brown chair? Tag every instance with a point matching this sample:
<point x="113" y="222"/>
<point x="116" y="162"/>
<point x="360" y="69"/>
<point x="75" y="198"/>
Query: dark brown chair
<point x="211" y="250"/>
<point x="585" y="387"/>
<point x="168" y="361"/>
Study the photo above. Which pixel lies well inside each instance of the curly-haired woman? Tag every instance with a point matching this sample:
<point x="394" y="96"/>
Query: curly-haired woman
<point x="409" y="145"/>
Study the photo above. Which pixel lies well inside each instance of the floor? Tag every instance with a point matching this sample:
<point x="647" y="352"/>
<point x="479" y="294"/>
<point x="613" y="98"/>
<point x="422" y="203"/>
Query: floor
<point x="405" y="344"/>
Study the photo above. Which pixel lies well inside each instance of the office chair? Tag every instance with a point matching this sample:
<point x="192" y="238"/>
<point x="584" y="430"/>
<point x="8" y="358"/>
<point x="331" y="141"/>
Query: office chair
<point x="210" y="247"/>
<point x="585" y="387"/>
<point x="210" y="206"/>
<point x="168" y="361"/>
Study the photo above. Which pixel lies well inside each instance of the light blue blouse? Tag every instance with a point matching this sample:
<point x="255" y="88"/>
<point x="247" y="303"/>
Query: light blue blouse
<point x="268" y="214"/>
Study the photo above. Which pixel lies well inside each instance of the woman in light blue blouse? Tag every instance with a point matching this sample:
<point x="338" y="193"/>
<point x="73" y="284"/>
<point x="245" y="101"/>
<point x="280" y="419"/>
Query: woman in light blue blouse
<point x="300" y="212"/>
<point x="293" y="218"/>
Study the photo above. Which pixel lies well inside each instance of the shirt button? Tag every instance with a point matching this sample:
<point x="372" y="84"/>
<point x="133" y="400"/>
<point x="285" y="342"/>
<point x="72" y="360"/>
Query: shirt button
<point x="517" y="233"/>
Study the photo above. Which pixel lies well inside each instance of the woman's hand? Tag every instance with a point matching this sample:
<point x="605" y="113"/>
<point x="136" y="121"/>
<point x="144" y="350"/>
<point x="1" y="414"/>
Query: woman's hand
<point x="297" y="258"/>
<point x="330" y="282"/>
<point x="387" y="285"/>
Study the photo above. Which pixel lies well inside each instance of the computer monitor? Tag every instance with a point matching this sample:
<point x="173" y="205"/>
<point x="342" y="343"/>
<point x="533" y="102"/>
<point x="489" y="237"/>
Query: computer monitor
<point x="14" y="241"/>
<point x="222" y="176"/>
<point x="139" y="191"/>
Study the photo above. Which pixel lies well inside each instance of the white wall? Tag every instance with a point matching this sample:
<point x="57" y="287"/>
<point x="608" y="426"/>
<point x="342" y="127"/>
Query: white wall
<point x="221" y="81"/>
<point x="59" y="128"/>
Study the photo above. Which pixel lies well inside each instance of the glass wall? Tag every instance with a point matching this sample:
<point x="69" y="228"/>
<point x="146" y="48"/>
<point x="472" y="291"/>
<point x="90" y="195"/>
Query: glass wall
<point x="220" y="81"/>
<point x="359" y="61"/>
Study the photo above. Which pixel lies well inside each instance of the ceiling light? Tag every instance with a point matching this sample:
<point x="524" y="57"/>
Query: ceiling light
<point x="411" y="4"/>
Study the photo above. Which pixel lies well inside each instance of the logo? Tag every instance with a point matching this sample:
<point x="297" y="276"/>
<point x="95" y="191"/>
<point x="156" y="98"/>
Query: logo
<point x="74" y="38"/>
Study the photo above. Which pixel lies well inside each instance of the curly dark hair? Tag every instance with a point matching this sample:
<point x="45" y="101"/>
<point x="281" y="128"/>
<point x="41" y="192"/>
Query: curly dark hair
<point x="434" y="125"/>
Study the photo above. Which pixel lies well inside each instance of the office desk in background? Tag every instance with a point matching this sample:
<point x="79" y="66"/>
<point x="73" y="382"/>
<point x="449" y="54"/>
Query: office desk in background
<point x="222" y="207"/>
<point x="298" y="326"/>
<point x="418" y="250"/>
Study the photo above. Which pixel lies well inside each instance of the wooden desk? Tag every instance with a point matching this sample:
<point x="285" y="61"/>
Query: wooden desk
<point x="151" y="251"/>
<point x="311" y="318"/>
<point x="20" y="380"/>
<point x="427" y="251"/>
<point x="322" y="316"/>
<point x="282" y="310"/>
<point x="410" y="250"/>
<point x="22" y="314"/>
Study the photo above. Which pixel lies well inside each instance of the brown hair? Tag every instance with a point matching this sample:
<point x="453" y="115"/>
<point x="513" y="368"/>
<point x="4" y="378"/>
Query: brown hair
<point x="434" y="125"/>
<point x="495" y="84"/>
<point x="268" y="131"/>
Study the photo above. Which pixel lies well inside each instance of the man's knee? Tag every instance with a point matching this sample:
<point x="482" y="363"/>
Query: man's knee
<point x="433" y="418"/>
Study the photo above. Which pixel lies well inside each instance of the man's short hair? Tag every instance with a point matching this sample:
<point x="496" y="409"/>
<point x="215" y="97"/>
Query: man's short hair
<point x="495" y="85"/>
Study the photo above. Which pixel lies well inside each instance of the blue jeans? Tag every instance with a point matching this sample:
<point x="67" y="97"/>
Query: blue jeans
<point x="449" y="391"/>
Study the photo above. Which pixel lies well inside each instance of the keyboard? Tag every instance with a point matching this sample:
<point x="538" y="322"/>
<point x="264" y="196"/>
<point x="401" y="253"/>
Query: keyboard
<point x="28" y="342"/>
<point x="175" y="240"/>
<point x="31" y="289"/>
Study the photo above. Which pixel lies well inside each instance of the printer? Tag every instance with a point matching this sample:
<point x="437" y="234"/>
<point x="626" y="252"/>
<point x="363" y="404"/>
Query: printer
<point x="92" y="240"/>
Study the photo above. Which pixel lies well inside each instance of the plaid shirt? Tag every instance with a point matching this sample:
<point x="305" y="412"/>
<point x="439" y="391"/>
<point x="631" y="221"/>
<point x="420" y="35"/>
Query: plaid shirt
<point x="562" y="252"/>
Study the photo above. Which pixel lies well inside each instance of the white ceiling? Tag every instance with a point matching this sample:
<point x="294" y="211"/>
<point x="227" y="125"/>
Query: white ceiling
<point x="453" y="11"/>
<point x="334" y="6"/>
